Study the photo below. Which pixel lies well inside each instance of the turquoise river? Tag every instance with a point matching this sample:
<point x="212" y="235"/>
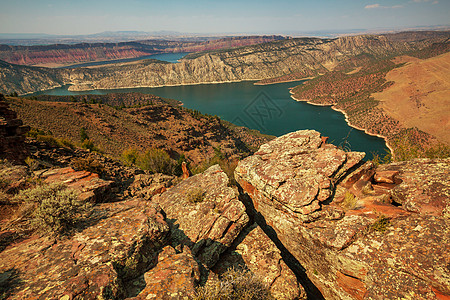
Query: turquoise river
<point x="267" y="108"/>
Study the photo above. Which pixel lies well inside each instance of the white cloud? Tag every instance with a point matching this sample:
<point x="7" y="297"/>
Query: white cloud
<point x="369" y="6"/>
<point x="376" y="5"/>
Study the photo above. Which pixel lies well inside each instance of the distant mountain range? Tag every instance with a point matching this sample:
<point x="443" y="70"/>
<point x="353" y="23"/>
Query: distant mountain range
<point x="126" y="36"/>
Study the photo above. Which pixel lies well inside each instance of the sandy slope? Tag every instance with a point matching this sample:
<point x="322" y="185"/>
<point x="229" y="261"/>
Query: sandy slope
<point x="420" y="95"/>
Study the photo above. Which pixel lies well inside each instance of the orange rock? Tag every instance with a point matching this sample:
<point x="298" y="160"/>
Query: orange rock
<point x="351" y="285"/>
<point x="185" y="169"/>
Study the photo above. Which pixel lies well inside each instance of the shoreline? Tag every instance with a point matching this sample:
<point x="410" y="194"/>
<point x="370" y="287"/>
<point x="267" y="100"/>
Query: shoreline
<point x="283" y="81"/>
<point x="186" y="84"/>
<point x="347" y="120"/>
<point x="159" y="86"/>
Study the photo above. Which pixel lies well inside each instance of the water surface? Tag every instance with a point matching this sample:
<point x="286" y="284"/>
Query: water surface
<point x="269" y="109"/>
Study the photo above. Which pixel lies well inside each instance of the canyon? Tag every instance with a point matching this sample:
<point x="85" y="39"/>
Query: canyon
<point x="306" y="56"/>
<point x="307" y="219"/>
<point x="62" y="54"/>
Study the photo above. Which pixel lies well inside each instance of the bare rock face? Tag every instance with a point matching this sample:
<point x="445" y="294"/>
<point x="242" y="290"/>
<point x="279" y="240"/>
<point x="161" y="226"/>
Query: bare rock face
<point x="204" y="214"/>
<point x="148" y="185"/>
<point x="260" y="255"/>
<point x="174" y="277"/>
<point x="360" y="232"/>
<point x="89" y="185"/>
<point x="12" y="134"/>
<point x="123" y="241"/>
<point x="423" y="185"/>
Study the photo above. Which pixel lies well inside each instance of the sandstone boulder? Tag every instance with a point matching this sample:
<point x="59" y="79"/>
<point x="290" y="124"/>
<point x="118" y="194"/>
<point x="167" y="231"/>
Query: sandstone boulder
<point x="174" y="277"/>
<point x="204" y="214"/>
<point x="353" y="232"/>
<point x="259" y="254"/>
<point x="89" y="185"/>
<point x="122" y="241"/>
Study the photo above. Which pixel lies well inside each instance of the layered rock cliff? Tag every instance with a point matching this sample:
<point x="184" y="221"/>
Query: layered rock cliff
<point x="86" y="52"/>
<point x="306" y="56"/>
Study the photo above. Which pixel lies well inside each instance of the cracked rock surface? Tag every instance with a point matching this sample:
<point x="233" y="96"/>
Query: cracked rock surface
<point x="360" y="231"/>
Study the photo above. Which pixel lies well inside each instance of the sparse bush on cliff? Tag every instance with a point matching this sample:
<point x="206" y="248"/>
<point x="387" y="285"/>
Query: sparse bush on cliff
<point x="156" y="161"/>
<point x="235" y="285"/>
<point x="88" y="144"/>
<point x="349" y="201"/>
<point x="153" y="160"/>
<point x="83" y="134"/>
<point x="220" y="159"/>
<point x="130" y="156"/>
<point x="53" y="208"/>
<point x="380" y="225"/>
<point x="195" y="195"/>
<point x="380" y="160"/>
<point x="89" y="164"/>
<point x="48" y="138"/>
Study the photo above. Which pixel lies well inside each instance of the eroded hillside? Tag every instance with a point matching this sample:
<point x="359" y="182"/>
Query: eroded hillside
<point x="304" y="57"/>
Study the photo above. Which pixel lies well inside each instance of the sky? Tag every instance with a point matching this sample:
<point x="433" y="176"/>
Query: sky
<point x="74" y="17"/>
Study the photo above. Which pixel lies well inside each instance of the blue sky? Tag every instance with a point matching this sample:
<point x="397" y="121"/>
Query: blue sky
<point x="209" y="16"/>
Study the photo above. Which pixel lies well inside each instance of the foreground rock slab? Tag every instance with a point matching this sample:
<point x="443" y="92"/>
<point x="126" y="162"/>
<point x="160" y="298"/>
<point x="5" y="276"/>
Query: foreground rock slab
<point x="361" y="232"/>
<point x="122" y="241"/>
<point x="174" y="277"/>
<point x="89" y="185"/>
<point x="204" y="214"/>
<point x="260" y="255"/>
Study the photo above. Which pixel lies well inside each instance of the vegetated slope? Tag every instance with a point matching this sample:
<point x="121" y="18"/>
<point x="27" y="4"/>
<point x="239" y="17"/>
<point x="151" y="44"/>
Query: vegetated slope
<point x="419" y="96"/>
<point x="147" y="122"/>
<point x="61" y="54"/>
<point x="295" y="58"/>
<point x="351" y="87"/>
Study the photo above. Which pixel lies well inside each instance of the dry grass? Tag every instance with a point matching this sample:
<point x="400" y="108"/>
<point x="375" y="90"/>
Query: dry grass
<point x="419" y="96"/>
<point x="195" y="195"/>
<point x="349" y="201"/>
<point x="235" y="285"/>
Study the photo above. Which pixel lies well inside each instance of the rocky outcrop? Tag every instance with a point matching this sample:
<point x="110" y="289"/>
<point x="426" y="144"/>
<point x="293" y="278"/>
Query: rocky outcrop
<point x="204" y="214"/>
<point x="88" y="185"/>
<point x="259" y="254"/>
<point x="175" y="276"/>
<point x="123" y="241"/>
<point x="12" y="134"/>
<point x="360" y="232"/>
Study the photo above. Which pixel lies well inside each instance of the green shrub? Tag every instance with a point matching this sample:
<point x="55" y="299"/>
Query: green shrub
<point x="34" y="132"/>
<point x="225" y="164"/>
<point x="48" y="139"/>
<point x="88" y="144"/>
<point x="65" y="143"/>
<point x="380" y="225"/>
<point x="156" y="161"/>
<point x="89" y="164"/>
<point x="83" y="134"/>
<point x="56" y="208"/>
<point x="235" y="285"/>
<point x="32" y="163"/>
<point x="195" y="195"/>
<point x="130" y="156"/>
